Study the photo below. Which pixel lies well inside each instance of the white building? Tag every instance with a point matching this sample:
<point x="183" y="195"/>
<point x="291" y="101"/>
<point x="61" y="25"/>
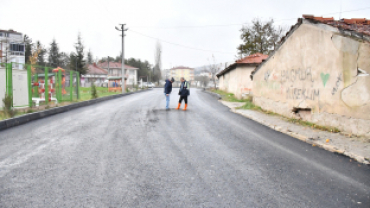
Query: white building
<point x="12" y="50"/>
<point x="114" y="70"/>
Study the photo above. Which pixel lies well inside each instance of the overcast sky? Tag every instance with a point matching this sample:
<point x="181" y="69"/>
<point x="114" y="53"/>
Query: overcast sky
<point x="182" y="22"/>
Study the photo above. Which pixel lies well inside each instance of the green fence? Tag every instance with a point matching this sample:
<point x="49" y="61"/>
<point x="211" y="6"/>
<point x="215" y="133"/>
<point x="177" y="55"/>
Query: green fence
<point x="41" y="85"/>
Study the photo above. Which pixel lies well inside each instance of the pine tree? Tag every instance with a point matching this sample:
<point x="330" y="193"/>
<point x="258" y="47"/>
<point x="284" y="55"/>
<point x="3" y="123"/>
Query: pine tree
<point x="28" y="51"/>
<point x="54" y="55"/>
<point x="89" y="57"/>
<point x="41" y="54"/>
<point x="77" y="59"/>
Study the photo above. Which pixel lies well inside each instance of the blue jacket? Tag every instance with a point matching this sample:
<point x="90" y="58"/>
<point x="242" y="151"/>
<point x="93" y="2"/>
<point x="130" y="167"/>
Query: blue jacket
<point x="184" y="89"/>
<point x="168" y="87"/>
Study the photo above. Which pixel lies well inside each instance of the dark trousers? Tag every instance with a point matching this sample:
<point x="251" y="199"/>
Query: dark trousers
<point x="184" y="98"/>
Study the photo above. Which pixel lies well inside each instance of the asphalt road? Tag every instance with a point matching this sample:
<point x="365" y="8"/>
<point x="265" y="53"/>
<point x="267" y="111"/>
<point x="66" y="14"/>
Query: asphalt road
<point x="130" y="152"/>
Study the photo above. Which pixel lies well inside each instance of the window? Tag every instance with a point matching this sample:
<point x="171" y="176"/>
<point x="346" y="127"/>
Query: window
<point x="1" y="34"/>
<point x="17" y="47"/>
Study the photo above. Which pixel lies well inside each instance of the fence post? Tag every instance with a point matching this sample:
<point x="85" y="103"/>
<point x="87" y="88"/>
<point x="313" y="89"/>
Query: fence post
<point x="9" y="80"/>
<point x="59" y="85"/>
<point x="46" y="79"/>
<point x="78" y="85"/>
<point x="29" y="79"/>
<point x="37" y="80"/>
<point x="71" y="85"/>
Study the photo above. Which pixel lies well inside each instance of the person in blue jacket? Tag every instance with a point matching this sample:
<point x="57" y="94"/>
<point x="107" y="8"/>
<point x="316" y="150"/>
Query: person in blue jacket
<point x="184" y="92"/>
<point x="167" y="91"/>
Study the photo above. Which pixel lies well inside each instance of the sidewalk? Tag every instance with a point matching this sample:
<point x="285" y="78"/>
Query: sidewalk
<point x="335" y="142"/>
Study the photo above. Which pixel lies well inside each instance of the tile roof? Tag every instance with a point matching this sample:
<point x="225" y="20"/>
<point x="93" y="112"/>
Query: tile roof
<point x="114" y="65"/>
<point x="254" y="59"/>
<point x="355" y="24"/>
<point x="94" y="69"/>
<point x="10" y="31"/>
<point x="355" y="27"/>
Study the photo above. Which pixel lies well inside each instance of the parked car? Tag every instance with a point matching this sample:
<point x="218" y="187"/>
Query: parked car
<point x="151" y="85"/>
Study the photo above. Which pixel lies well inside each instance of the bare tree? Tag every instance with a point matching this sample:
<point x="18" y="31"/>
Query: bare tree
<point x="158" y="62"/>
<point x="213" y="69"/>
<point x="203" y="80"/>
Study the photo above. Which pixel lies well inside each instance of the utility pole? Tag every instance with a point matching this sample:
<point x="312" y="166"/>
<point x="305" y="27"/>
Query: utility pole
<point x="123" y="57"/>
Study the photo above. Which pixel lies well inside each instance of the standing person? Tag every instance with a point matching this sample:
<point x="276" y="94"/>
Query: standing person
<point x="167" y="91"/>
<point x="184" y="92"/>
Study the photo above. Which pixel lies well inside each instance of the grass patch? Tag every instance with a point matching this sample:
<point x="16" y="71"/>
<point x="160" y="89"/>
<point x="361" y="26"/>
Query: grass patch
<point x="85" y="92"/>
<point x="249" y="105"/>
<point x="230" y="97"/>
<point x="312" y="125"/>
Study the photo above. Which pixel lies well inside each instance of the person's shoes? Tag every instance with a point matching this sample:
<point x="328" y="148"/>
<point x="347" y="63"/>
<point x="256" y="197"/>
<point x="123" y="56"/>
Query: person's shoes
<point x="178" y="107"/>
<point x="186" y="105"/>
<point x="167" y="109"/>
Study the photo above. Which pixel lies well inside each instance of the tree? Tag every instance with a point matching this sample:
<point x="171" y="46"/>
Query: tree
<point x="260" y="37"/>
<point x="34" y="57"/>
<point x="28" y="49"/>
<point x="111" y="59"/>
<point x="64" y="60"/>
<point x="41" y="54"/>
<point x="204" y="80"/>
<point x="54" y="55"/>
<point x="143" y="66"/>
<point x="77" y="59"/>
<point x="158" y="63"/>
<point x="213" y="69"/>
<point x="89" y="57"/>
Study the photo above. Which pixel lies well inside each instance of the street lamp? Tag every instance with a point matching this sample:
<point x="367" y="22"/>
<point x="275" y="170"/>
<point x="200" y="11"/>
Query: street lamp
<point x="123" y="57"/>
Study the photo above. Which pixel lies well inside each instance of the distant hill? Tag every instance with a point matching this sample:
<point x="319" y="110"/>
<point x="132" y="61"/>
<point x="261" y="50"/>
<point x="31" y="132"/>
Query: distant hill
<point x="220" y="66"/>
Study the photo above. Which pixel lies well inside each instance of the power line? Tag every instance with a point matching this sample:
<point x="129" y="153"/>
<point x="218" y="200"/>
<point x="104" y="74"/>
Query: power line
<point x="237" y="24"/>
<point x="199" y="49"/>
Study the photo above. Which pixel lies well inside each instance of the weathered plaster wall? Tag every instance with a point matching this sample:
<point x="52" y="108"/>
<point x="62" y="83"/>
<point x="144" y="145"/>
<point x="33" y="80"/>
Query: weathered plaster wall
<point x="317" y="69"/>
<point x="237" y="81"/>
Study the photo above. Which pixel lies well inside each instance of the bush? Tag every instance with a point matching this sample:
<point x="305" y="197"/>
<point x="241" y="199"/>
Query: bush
<point x="94" y="93"/>
<point x="8" y="106"/>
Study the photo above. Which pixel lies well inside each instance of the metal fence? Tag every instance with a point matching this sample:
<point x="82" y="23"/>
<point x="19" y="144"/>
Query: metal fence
<point x="40" y="85"/>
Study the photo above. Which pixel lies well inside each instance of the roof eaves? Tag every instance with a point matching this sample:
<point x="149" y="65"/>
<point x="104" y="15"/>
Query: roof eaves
<point x="281" y="42"/>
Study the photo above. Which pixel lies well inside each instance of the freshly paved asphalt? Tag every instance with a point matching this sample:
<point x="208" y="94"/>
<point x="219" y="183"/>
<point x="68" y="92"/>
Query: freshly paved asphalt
<point x="130" y="152"/>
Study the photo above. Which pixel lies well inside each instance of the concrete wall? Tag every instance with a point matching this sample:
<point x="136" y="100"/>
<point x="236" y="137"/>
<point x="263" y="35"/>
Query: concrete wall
<point x="315" y="74"/>
<point x="237" y="81"/>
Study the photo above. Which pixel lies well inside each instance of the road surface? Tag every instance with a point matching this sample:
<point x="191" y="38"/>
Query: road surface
<point x="130" y="152"/>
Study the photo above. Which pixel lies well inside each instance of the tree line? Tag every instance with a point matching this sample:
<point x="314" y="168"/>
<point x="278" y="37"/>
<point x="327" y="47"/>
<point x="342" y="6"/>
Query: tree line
<point x="51" y="56"/>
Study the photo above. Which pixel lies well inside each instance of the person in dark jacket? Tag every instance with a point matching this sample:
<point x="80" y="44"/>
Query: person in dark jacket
<point x="184" y="92"/>
<point x="167" y="91"/>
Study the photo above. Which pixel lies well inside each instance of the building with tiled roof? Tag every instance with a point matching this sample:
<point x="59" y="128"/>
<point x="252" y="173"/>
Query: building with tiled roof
<point x="115" y="72"/>
<point x="94" y="74"/>
<point x="320" y="73"/>
<point x="236" y="77"/>
<point x="182" y="71"/>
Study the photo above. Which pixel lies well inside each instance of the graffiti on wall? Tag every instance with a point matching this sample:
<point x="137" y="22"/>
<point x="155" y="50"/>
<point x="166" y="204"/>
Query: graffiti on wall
<point x="296" y="74"/>
<point x="267" y="75"/>
<point x="324" y="78"/>
<point x="302" y="94"/>
<point x="335" y="88"/>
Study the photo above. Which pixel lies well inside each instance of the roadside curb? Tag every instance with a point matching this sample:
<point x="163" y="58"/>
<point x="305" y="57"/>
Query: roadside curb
<point x="8" y="123"/>
<point x="303" y="138"/>
<point x="213" y="94"/>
